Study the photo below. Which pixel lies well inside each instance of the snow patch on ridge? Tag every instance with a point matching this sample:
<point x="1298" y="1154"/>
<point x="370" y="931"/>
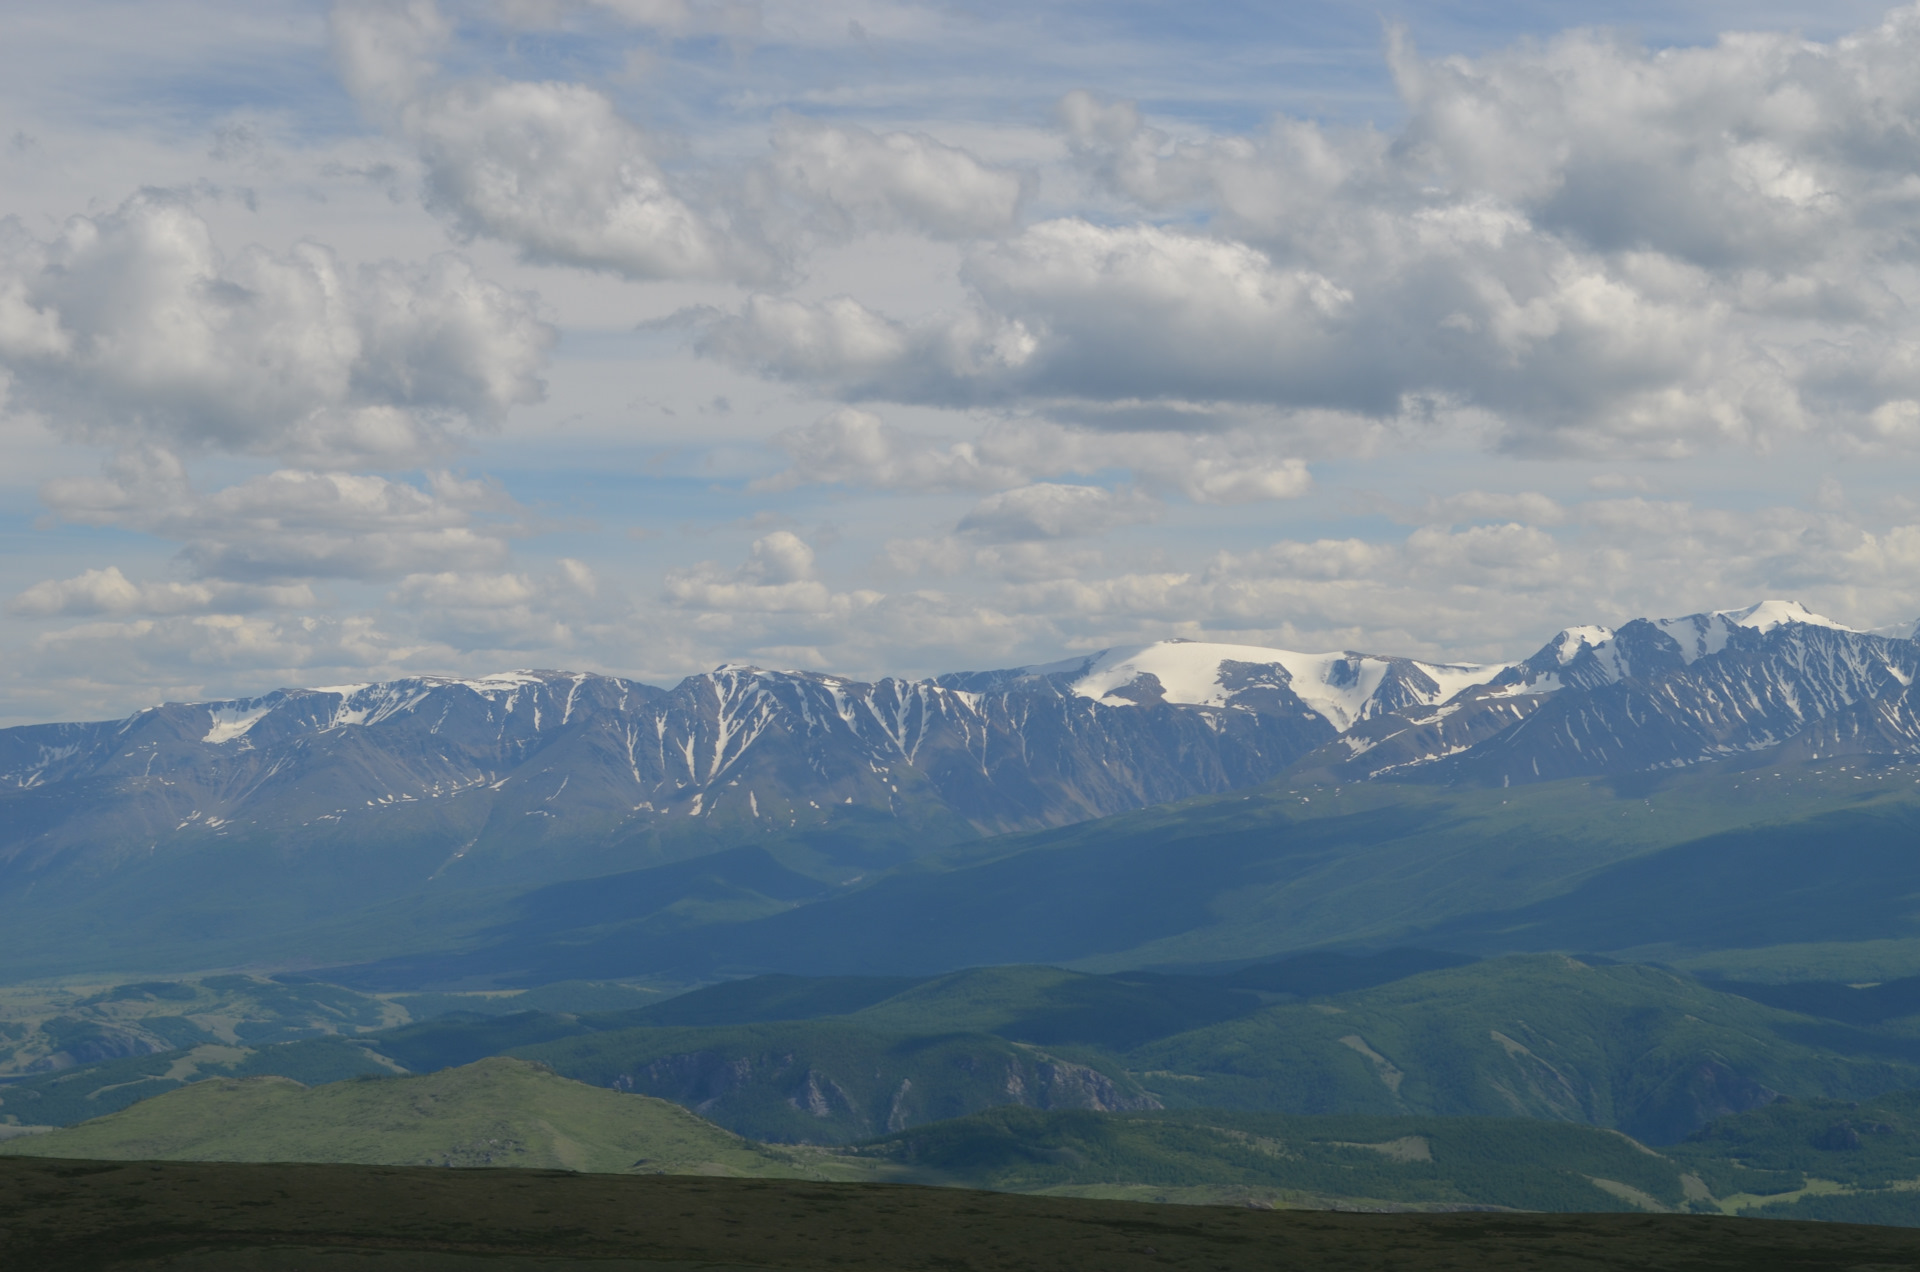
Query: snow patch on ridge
<point x="231" y="720"/>
<point x="1700" y="635"/>
<point x="503" y="680"/>
<point x="1455" y="678"/>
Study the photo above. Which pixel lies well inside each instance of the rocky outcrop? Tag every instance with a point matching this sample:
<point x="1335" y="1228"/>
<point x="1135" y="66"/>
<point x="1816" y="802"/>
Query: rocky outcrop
<point x="858" y="1088"/>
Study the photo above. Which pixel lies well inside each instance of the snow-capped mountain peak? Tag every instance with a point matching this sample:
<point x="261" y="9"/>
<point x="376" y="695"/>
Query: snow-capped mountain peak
<point x="1342" y="688"/>
<point x="1764" y="616"/>
<point x="1568" y="644"/>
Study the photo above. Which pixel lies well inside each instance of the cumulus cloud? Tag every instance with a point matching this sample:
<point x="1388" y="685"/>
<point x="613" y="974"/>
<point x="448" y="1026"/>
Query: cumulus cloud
<point x="549" y="167"/>
<point x="778" y="576"/>
<point x="1609" y="250"/>
<point x="110" y="592"/>
<point x="554" y="169"/>
<point x="218" y="655"/>
<point x="1048" y="510"/>
<point x="1498" y="590"/>
<point x="293" y="525"/>
<point x="195" y="640"/>
<point x="1488" y="591"/>
<point x="133" y="325"/>
<point x="849" y="180"/>
<point x="851" y="447"/>
<point x="478" y="610"/>
<point x="1076" y="314"/>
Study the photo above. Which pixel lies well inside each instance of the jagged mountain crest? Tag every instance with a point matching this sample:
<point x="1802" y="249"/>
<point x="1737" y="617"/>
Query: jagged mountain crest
<point x="542" y="761"/>
<point x="1656" y="694"/>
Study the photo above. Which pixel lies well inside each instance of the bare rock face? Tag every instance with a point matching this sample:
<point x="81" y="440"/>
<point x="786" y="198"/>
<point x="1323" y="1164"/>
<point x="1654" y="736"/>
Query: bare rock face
<point x="1059" y="1084"/>
<point x="856" y="1085"/>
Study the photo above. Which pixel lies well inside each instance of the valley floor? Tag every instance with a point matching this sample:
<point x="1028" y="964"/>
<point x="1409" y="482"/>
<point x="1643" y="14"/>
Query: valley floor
<point x="220" y="1217"/>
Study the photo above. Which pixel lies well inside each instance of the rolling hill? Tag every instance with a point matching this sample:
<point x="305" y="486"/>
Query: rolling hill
<point x="496" y="1112"/>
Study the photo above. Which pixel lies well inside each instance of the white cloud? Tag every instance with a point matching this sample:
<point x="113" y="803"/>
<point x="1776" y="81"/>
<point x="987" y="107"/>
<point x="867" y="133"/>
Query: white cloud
<point x="132" y="325"/>
<point x="449" y="589"/>
<point x="851" y="447"/>
<point x="1048" y="510"/>
<point x="294" y="525"/>
<point x="778" y="576"/>
<point x="223" y="648"/>
<point x="497" y="611"/>
<point x="1474" y="591"/>
<point x="387" y="49"/>
<point x="108" y="591"/>
<point x="850" y="180"/>
<point x="554" y="169"/>
<point x="550" y="167"/>
<point x="1571" y="246"/>
<point x="1610" y="250"/>
<point x="835" y="341"/>
<point x="1104" y="321"/>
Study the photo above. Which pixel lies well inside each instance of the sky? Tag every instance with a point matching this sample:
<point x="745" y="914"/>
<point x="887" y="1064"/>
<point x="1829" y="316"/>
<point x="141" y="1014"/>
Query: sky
<point x="342" y="342"/>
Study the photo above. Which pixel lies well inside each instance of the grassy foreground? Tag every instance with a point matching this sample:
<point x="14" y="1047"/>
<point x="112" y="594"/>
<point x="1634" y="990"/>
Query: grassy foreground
<point x="58" y="1215"/>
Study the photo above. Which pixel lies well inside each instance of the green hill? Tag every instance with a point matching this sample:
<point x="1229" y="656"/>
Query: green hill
<point x="498" y="1112"/>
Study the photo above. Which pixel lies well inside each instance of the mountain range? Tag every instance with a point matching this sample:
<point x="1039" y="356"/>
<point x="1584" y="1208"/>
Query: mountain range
<point x="318" y="825"/>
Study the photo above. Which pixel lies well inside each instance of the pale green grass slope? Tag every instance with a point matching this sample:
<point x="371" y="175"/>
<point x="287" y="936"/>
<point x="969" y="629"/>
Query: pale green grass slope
<point x="497" y="1112"/>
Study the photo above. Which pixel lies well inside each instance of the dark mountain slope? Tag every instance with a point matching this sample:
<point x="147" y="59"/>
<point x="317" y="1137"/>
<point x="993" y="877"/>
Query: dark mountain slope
<point x="1251" y="876"/>
<point x="1846" y="875"/>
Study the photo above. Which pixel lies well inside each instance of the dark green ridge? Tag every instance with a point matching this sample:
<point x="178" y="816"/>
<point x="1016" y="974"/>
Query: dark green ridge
<point x="1646" y="862"/>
